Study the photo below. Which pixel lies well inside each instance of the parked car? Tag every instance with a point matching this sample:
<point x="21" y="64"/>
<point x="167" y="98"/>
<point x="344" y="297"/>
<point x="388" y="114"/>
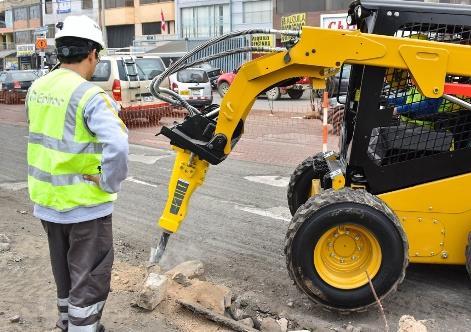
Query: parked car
<point x="294" y="91"/>
<point x="127" y="79"/>
<point x="213" y="73"/>
<point x="332" y="84"/>
<point x="193" y="85"/>
<point x="14" y="85"/>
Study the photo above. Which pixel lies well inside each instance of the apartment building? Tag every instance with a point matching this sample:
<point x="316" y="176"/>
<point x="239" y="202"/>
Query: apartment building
<point x="19" y="19"/>
<point x="126" y="20"/>
<point x="54" y="11"/>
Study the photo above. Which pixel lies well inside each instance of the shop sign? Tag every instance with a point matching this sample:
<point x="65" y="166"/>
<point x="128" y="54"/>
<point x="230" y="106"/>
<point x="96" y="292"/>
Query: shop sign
<point x="292" y="22"/>
<point x="63" y="6"/>
<point x="336" y="21"/>
<point x="25" y="50"/>
<point x="262" y="40"/>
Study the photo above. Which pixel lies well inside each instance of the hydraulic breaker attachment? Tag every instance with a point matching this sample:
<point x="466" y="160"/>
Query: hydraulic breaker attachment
<point x="188" y="174"/>
<point x="157" y="252"/>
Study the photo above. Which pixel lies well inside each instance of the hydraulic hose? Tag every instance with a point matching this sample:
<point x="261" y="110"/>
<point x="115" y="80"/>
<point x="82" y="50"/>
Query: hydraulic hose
<point x="180" y="64"/>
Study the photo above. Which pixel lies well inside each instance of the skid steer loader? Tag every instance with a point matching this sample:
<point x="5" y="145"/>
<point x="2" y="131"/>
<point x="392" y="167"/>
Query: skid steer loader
<point x="398" y="190"/>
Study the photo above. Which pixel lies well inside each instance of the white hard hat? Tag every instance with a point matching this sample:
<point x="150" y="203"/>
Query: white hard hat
<point x="81" y="27"/>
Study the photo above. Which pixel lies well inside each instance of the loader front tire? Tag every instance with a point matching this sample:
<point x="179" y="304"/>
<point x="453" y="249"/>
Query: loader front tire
<point x="299" y="187"/>
<point x="468" y="255"/>
<point x="340" y="238"/>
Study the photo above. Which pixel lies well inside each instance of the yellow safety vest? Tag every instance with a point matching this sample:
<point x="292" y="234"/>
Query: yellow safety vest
<point x="61" y="149"/>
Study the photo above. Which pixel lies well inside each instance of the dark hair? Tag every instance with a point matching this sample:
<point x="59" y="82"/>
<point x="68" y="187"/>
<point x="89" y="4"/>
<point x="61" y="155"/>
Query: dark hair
<point x="74" y="49"/>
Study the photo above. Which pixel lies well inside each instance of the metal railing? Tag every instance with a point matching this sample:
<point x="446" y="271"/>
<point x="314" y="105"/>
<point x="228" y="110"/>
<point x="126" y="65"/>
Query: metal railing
<point x="7" y="46"/>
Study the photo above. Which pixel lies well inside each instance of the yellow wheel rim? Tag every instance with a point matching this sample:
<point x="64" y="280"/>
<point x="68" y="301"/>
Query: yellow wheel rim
<point x="344" y="253"/>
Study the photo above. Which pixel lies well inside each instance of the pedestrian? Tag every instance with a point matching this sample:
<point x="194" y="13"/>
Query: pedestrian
<point x="77" y="159"/>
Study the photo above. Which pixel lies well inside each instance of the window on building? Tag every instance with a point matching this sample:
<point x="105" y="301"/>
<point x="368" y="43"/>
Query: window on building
<point x="20" y="14"/>
<point x="145" y="2"/>
<point x="48" y="6"/>
<point x="257" y="11"/>
<point x="34" y="12"/>
<point x="151" y="28"/>
<point x="23" y="37"/>
<point x="205" y="21"/>
<point x="118" y="3"/>
<point x="87" y="4"/>
<point x="51" y="31"/>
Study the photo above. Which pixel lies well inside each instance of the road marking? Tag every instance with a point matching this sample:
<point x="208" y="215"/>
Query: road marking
<point x="276" y="181"/>
<point x="148" y="160"/>
<point x="132" y="179"/>
<point x="150" y="148"/>
<point x="15" y="186"/>
<point x="279" y="212"/>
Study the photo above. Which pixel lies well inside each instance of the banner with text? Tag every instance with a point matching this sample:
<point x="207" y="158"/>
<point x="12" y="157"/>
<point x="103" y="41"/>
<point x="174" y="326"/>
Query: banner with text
<point x="336" y="21"/>
<point x="263" y="40"/>
<point x="25" y="50"/>
<point x="292" y="22"/>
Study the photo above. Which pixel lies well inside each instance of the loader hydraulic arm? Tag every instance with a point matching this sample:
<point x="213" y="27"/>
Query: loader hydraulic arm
<point x="209" y="137"/>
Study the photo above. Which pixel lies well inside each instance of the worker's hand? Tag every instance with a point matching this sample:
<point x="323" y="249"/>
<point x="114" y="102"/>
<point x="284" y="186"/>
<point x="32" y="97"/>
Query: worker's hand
<point x="93" y="178"/>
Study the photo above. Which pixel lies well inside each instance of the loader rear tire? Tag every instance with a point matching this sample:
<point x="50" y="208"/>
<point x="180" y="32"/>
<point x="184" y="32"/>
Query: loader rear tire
<point x="468" y="255"/>
<point x="334" y="238"/>
<point x="299" y="187"/>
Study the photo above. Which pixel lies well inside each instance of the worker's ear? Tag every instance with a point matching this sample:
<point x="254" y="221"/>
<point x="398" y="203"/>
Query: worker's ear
<point x="91" y="56"/>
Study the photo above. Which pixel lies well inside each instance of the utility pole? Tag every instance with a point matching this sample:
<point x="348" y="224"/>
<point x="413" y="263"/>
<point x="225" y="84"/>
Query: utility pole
<point x="101" y="9"/>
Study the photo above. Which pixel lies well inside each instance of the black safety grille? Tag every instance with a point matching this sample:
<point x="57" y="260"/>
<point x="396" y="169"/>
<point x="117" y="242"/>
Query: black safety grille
<point x="421" y="126"/>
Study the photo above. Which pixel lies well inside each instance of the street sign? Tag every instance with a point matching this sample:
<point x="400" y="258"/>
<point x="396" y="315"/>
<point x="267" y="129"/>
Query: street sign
<point x="41" y="31"/>
<point x="292" y="22"/>
<point x="41" y="43"/>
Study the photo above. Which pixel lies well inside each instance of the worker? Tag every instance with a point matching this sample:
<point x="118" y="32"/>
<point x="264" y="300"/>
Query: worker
<point x="77" y="159"/>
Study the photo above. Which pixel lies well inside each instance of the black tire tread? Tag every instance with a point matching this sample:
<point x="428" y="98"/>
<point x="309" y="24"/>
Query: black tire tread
<point x="317" y="161"/>
<point x="344" y="195"/>
<point x="468" y="255"/>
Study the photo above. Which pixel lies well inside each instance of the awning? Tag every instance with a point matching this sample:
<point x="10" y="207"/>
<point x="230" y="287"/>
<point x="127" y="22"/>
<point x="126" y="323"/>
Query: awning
<point x="6" y="53"/>
<point x="172" y="46"/>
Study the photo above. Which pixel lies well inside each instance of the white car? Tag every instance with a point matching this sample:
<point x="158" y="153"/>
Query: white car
<point x="193" y="85"/>
<point x="127" y="78"/>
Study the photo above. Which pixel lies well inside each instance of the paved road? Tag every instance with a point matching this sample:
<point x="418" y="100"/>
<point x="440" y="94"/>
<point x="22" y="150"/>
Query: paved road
<point x="236" y="226"/>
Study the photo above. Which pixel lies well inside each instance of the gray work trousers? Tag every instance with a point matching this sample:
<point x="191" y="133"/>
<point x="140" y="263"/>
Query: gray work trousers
<point x="81" y="258"/>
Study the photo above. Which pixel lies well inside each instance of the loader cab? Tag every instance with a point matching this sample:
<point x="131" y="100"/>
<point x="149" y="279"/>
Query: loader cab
<point x="393" y="137"/>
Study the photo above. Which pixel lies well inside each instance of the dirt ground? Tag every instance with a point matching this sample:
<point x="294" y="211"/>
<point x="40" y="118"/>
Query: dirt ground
<point x="27" y="288"/>
<point x="28" y="291"/>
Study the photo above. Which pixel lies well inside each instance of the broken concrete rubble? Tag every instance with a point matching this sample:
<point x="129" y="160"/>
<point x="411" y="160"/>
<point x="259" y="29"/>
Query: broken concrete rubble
<point x="283" y="322"/>
<point x="214" y="297"/>
<point x="270" y="325"/>
<point x="153" y="292"/>
<point x="247" y="321"/>
<point x="409" y="324"/>
<point x="189" y="269"/>
<point x="4" y="242"/>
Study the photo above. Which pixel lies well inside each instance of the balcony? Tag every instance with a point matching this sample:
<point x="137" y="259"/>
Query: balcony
<point x="7" y="46"/>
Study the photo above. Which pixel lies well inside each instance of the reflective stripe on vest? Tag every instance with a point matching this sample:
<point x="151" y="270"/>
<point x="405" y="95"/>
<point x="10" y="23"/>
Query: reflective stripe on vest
<point x="61" y="148"/>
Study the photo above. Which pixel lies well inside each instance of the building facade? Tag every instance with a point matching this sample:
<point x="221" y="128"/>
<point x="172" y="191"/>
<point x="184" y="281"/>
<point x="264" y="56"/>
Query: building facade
<point x="19" y="20"/>
<point x="198" y="19"/>
<point x="127" y="20"/>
